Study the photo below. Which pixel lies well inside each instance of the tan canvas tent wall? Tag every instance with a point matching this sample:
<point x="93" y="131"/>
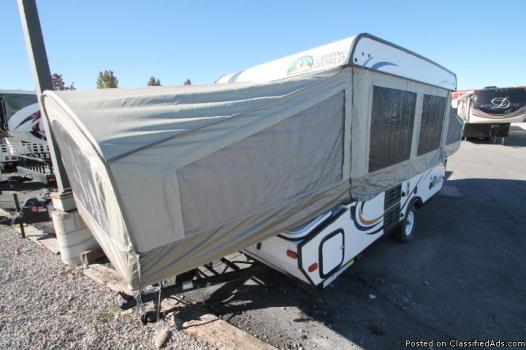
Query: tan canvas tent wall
<point x="169" y="178"/>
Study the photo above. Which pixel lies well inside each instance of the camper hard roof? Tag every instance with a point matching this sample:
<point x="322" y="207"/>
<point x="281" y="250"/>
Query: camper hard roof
<point x="16" y="92"/>
<point x="364" y="50"/>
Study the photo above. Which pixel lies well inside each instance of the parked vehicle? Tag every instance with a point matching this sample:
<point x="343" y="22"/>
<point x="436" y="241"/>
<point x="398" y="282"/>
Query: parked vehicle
<point x="23" y="140"/>
<point x="20" y="116"/>
<point x="342" y="142"/>
<point x="490" y="111"/>
<point x="321" y="249"/>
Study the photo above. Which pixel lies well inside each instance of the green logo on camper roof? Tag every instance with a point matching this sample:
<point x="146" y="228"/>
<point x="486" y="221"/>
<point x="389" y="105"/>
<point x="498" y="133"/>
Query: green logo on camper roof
<point x="302" y="64"/>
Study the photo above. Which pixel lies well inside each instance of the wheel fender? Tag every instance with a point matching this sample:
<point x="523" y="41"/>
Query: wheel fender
<point x="416" y="202"/>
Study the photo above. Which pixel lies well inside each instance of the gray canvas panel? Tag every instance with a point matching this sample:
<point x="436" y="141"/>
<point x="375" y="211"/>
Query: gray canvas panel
<point x="149" y="190"/>
<point x="121" y="121"/>
<point x="90" y="179"/>
<point x="392" y="120"/>
<point x="94" y="195"/>
<point x="126" y="263"/>
<point x="156" y="167"/>
<point x="455" y="125"/>
<point x="204" y="247"/>
<point x="366" y="187"/>
<point x="295" y="157"/>
<point x="432" y="119"/>
<point x="448" y="150"/>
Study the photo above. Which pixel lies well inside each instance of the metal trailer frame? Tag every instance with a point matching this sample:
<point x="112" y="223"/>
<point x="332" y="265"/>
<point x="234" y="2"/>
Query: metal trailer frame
<point x="208" y="275"/>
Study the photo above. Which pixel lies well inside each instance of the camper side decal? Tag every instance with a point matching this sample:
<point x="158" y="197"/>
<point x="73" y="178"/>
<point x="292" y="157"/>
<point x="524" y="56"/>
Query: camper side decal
<point x="26" y="124"/>
<point x="309" y="62"/>
<point x="302" y="64"/>
<point x="369" y="227"/>
<point x="377" y="65"/>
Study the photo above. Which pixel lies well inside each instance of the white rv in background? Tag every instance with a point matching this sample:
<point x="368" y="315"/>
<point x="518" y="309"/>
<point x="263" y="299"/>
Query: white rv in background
<point x="490" y="111"/>
<point x="20" y="116"/>
<point x="324" y="247"/>
<point x="21" y="122"/>
<point x="23" y="140"/>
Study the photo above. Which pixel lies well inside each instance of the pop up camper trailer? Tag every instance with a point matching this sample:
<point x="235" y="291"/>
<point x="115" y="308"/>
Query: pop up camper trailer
<point x="321" y="249"/>
<point x="490" y="111"/>
<point x="345" y="140"/>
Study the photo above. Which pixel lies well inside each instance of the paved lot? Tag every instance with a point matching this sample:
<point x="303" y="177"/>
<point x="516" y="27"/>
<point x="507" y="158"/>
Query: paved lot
<point x="462" y="277"/>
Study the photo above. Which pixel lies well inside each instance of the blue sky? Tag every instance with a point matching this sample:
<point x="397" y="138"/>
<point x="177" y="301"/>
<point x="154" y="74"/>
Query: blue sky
<point x="481" y="41"/>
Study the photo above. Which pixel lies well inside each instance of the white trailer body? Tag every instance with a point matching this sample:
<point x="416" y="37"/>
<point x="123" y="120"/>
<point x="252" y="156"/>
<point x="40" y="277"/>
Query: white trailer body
<point x="20" y="116"/>
<point x="317" y="252"/>
<point x="21" y="128"/>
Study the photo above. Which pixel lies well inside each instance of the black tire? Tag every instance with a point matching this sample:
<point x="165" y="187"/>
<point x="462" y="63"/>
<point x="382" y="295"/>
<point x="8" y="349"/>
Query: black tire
<point x="406" y="229"/>
<point x="149" y="316"/>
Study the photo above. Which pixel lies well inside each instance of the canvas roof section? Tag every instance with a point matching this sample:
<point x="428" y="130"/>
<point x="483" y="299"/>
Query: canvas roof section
<point x="363" y="50"/>
<point x="121" y="121"/>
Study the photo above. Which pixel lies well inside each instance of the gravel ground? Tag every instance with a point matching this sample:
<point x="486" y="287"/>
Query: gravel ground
<point x="45" y="304"/>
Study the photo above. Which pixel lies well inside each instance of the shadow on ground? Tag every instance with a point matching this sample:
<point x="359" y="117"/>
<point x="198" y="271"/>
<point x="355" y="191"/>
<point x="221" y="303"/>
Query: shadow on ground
<point x="516" y="138"/>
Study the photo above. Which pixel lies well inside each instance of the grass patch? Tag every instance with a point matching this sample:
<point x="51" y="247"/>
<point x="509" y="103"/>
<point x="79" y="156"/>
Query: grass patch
<point x="105" y="317"/>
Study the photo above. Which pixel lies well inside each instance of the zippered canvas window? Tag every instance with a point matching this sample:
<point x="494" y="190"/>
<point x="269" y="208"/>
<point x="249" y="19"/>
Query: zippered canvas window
<point x="454" y="130"/>
<point x="433" y="109"/>
<point x="392" y="122"/>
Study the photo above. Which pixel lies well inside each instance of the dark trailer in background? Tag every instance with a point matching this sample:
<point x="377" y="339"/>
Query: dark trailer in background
<point x="490" y="111"/>
<point x="23" y="142"/>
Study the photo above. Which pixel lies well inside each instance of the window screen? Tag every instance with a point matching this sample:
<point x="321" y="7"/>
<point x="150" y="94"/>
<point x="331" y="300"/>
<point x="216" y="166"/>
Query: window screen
<point x="85" y="182"/>
<point x="431" y="123"/>
<point x="392" y="121"/>
<point x="294" y="158"/>
<point x="454" y="129"/>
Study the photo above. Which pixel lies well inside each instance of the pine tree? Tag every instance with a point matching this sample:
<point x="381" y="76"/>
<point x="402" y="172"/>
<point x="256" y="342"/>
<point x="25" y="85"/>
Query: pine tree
<point x="107" y="80"/>
<point x="154" y="81"/>
<point x="58" y="83"/>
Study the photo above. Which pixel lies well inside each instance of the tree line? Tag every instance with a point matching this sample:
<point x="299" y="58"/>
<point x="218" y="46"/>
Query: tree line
<point x="105" y="80"/>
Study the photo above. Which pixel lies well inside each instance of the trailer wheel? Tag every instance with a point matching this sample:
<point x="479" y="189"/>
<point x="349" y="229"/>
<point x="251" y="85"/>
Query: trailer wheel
<point x="406" y="230"/>
<point x="149" y="316"/>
